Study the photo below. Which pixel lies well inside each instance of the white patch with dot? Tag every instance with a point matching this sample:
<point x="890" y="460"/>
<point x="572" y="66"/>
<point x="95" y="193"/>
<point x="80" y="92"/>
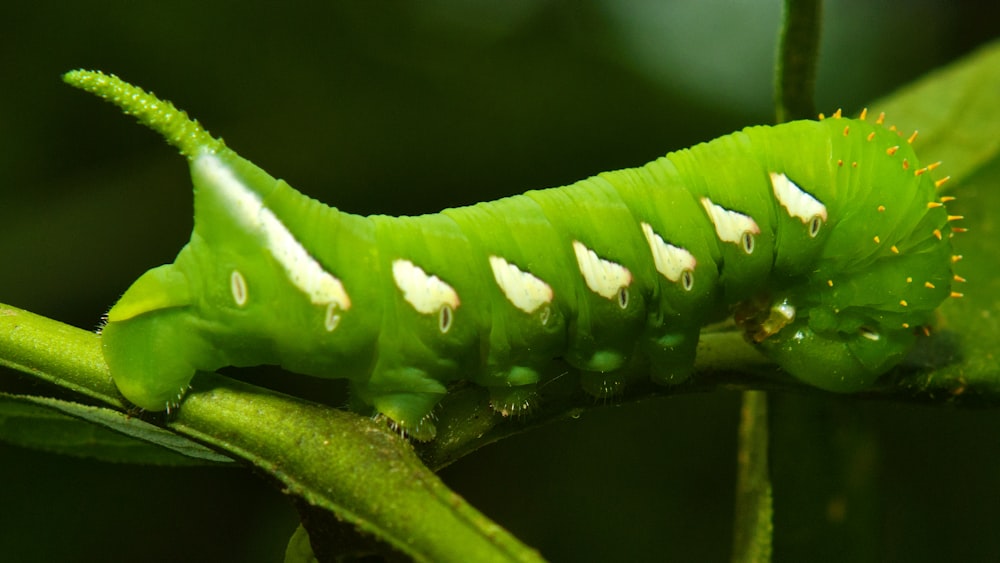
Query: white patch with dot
<point x="238" y="287"/>
<point x="603" y="277"/>
<point x="427" y="294"/>
<point x="301" y="269"/>
<point x="795" y="200"/>
<point x="730" y="226"/>
<point x="523" y="290"/>
<point x="671" y="261"/>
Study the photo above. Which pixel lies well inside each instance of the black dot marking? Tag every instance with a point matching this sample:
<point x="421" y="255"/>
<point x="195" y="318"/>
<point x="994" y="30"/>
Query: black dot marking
<point x="748" y="242"/>
<point x="623" y="298"/>
<point x="445" y="319"/>
<point x="687" y="280"/>
<point x="815" y="225"/>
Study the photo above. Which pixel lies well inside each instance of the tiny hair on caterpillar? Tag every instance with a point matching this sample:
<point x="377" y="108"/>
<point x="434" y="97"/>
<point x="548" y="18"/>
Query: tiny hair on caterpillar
<point x="825" y="240"/>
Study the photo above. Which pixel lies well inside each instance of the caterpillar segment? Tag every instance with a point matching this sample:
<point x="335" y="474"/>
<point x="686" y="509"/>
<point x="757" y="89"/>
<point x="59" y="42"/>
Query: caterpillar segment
<point x="822" y="236"/>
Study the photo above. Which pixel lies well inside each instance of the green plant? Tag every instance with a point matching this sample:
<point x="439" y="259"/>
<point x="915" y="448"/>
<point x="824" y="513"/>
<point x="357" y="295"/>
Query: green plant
<point x="967" y="382"/>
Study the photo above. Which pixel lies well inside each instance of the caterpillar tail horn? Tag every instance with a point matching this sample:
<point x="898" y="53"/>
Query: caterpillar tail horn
<point x="182" y="132"/>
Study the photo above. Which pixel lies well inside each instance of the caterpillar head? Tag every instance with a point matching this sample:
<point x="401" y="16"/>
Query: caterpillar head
<point x="841" y="332"/>
<point x="837" y="352"/>
<point x="850" y="293"/>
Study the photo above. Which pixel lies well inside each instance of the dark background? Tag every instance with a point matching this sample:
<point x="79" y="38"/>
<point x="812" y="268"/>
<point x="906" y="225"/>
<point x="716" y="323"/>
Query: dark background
<point x="405" y="108"/>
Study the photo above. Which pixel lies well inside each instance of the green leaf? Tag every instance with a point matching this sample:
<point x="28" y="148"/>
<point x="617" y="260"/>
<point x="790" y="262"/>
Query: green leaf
<point x="299" y="549"/>
<point x="44" y="349"/>
<point x="94" y="432"/>
<point x="957" y="111"/>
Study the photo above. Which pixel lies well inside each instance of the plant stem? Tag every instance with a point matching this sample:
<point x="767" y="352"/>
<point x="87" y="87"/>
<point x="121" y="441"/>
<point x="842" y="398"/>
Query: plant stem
<point x="798" y="52"/>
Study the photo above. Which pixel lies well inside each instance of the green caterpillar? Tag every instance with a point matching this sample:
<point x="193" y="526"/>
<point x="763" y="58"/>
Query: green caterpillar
<point x="826" y="238"/>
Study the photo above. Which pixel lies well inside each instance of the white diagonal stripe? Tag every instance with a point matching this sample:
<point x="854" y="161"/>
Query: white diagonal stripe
<point x="301" y="269"/>
<point x="522" y="289"/>
<point x="671" y="261"/>
<point x="427" y="294"/>
<point x="795" y="200"/>
<point x="729" y="225"/>
<point x="603" y="277"/>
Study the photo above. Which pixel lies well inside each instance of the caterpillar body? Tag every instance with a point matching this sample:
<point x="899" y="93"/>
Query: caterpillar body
<point x="825" y="237"/>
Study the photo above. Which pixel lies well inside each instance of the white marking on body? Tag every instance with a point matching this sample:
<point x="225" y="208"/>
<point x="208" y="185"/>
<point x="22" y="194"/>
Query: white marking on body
<point x="545" y="315"/>
<point x="786" y="310"/>
<point x="623" y="298"/>
<point x="301" y="269"/>
<point x="731" y="226"/>
<point x="445" y="319"/>
<point x="870" y="334"/>
<point x="796" y="201"/>
<point x="238" y="287"/>
<point x="427" y="294"/>
<point x="671" y="261"/>
<point x="332" y="318"/>
<point x="522" y="289"/>
<point x="603" y="277"/>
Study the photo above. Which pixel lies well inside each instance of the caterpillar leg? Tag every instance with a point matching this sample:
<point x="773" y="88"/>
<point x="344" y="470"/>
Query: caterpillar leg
<point x="411" y="413"/>
<point x="603" y="385"/>
<point x="671" y="361"/>
<point x="514" y="401"/>
<point x="406" y="396"/>
<point x="520" y="355"/>
<point x="671" y="356"/>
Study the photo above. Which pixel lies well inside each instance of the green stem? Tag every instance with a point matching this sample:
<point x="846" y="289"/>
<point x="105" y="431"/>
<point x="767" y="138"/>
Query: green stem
<point x="57" y="353"/>
<point x="754" y="509"/>
<point x="798" y="51"/>
<point x="795" y="80"/>
<point x="338" y="461"/>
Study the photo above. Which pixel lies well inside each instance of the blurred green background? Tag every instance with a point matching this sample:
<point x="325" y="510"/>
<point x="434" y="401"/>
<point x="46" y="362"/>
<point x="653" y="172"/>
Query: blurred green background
<point x="405" y="108"/>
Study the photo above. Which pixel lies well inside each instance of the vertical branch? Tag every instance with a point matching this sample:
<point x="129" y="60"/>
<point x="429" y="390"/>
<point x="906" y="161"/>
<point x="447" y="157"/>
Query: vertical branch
<point x="798" y="50"/>
<point x="795" y="81"/>
<point x="754" y="511"/>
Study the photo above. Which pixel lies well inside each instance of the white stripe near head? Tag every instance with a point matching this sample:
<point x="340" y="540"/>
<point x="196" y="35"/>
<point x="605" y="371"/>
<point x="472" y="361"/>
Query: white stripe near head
<point x="302" y="270"/>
